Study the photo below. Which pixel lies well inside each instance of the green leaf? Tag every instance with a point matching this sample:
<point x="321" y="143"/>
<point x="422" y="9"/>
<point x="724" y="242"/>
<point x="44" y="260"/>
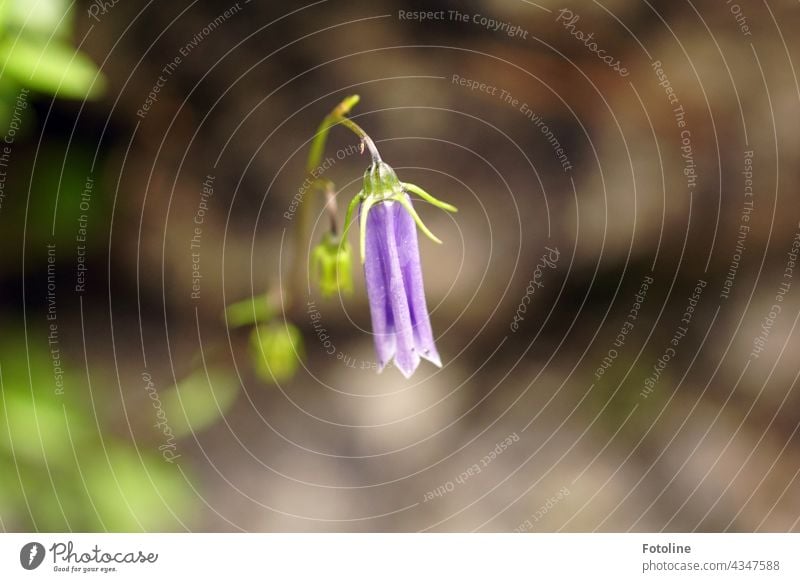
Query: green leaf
<point x="276" y="350"/>
<point x="134" y="491"/>
<point x="36" y="430"/>
<point x="199" y="401"/>
<point x="45" y="18"/>
<point x="36" y="425"/>
<point x="53" y="68"/>
<point x="248" y="311"/>
<point x="5" y="6"/>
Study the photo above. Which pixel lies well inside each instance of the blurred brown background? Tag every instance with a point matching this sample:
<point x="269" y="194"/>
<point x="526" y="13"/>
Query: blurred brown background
<point x="711" y="446"/>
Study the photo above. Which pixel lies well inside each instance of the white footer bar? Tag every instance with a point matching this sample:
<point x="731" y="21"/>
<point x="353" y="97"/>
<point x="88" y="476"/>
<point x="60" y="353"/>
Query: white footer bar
<point x="401" y="557"/>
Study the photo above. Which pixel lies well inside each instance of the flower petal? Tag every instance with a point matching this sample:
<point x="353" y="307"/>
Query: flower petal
<point x="381" y="233"/>
<point x="408" y="250"/>
<point x="377" y="288"/>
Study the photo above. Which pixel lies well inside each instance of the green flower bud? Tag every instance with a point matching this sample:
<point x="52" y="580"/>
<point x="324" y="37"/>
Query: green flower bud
<point x="332" y="266"/>
<point x="276" y="350"/>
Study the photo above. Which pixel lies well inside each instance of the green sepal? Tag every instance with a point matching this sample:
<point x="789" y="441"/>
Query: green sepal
<point x="410" y="209"/>
<point x="413" y="188"/>
<point x="348" y="219"/>
<point x="365" y="208"/>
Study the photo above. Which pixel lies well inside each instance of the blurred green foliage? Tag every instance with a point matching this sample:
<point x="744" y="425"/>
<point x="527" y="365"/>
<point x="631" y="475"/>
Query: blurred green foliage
<point x="36" y="53"/>
<point x="276" y="346"/>
<point x="619" y="391"/>
<point x="199" y="400"/>
<point x="249" y="311"/>
<point x="50" y="213"/>
<point x="276" y="349"/>
<point x="63" y="468"/>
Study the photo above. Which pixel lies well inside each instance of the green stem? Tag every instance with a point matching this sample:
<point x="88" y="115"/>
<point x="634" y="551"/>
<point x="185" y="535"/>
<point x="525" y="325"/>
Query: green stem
<point x="331" y="207"/>
<point x="315" y="153"/>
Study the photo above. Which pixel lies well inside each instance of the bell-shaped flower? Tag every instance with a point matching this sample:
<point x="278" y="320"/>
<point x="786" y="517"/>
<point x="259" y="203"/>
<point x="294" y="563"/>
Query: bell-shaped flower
<point x="390" y="254"/>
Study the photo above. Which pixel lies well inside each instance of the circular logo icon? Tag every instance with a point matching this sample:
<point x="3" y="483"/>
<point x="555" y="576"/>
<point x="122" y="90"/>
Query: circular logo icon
<point x="31" y="555"/>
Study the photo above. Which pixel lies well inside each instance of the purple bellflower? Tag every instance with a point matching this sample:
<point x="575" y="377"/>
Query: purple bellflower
<point x="390" y="255"/>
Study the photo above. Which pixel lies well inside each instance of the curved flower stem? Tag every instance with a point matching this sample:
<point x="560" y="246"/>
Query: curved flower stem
<point x="317" y="148"/>
<point x="365" y="139"/>
<point x="336" y="117"/>
<point x="315" y="153"/>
